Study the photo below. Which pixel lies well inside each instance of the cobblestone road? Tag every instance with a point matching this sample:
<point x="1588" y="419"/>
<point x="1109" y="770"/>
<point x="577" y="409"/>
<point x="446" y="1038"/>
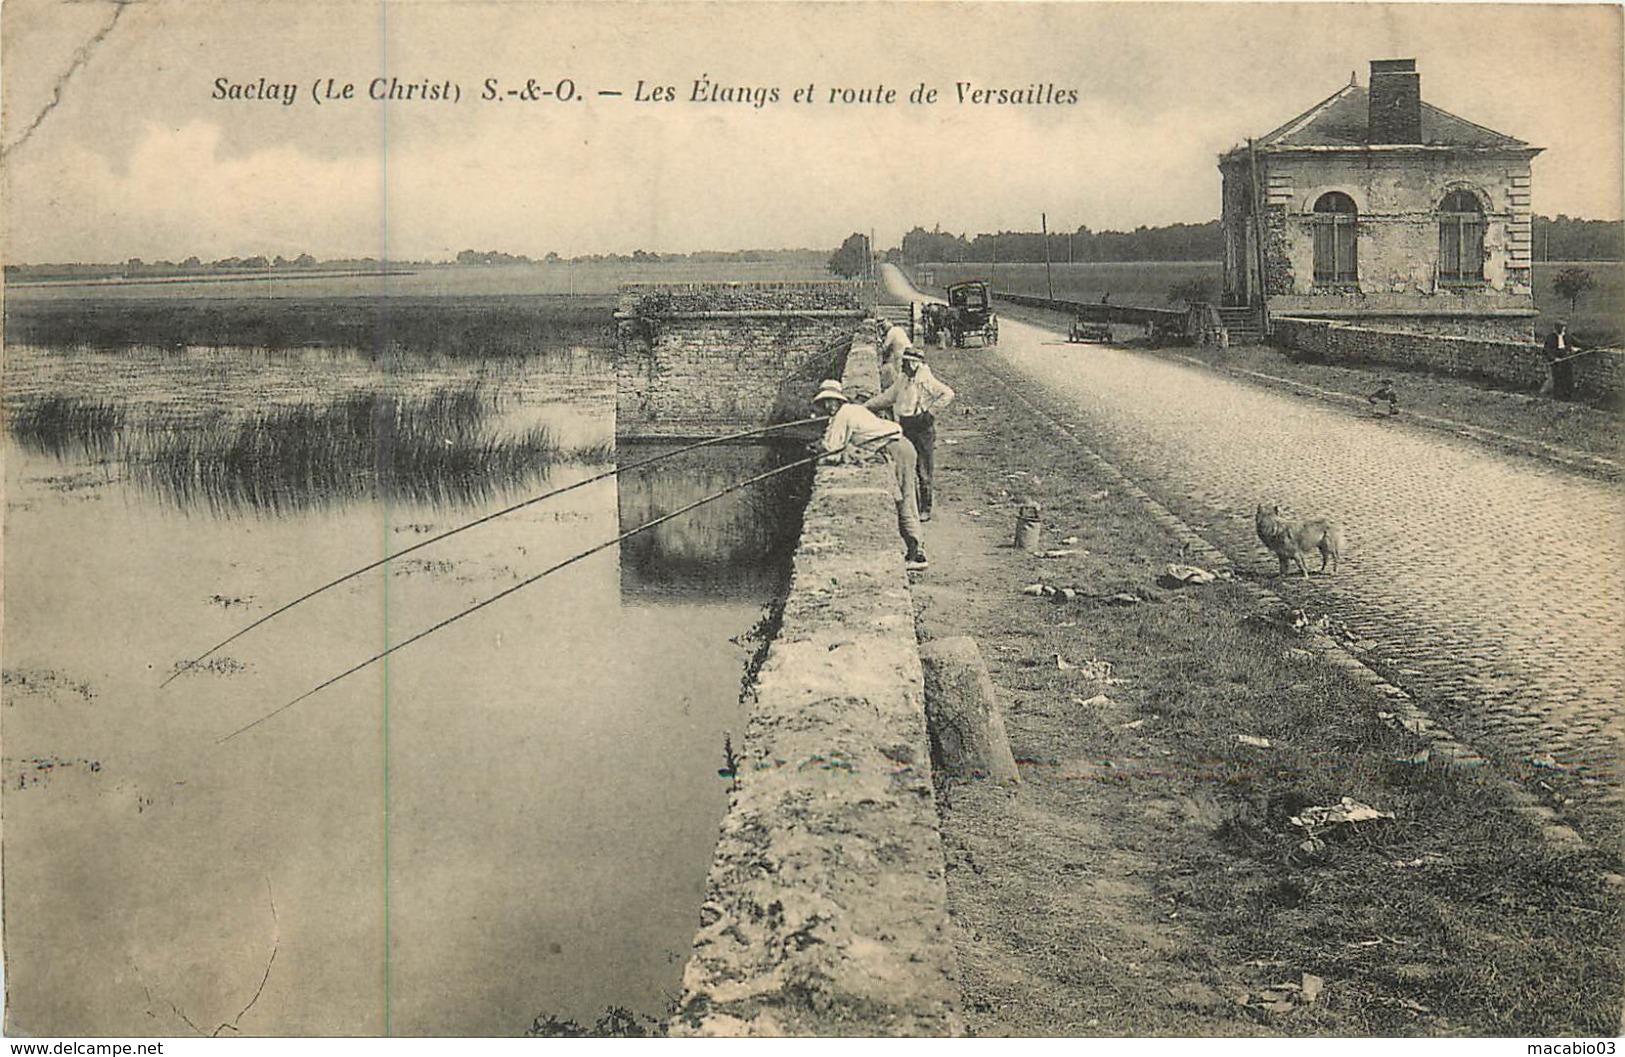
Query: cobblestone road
<point x="1488" y="586"/>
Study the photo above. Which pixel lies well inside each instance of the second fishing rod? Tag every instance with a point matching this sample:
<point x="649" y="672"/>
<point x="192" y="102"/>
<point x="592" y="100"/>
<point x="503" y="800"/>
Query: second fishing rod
<point x="521" y="585"/>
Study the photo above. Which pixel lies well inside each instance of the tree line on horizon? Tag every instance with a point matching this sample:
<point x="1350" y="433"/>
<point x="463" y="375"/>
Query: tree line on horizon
<point x="1562" y="238"/>
<point x="135" y="267"/>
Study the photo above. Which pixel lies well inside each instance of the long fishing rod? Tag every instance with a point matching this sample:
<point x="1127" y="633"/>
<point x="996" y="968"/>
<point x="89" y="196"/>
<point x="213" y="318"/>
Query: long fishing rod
<point x="526" y="583"/>
<point x="308" y="595"/>
<point x="1577" y="355"/>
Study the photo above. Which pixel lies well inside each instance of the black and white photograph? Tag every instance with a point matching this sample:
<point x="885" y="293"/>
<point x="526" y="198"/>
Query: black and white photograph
<point x="1043" y="520"/>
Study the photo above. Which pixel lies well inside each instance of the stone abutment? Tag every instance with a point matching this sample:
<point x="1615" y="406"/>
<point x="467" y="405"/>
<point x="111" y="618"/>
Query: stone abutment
<point x="826" y="908"/>
<point x="708" y="359"/>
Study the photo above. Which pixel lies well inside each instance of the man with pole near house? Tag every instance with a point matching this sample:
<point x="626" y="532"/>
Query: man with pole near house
<point x="915" y="399"/>
<point x="856" y="434"/>
<point x="1558" y="353"/>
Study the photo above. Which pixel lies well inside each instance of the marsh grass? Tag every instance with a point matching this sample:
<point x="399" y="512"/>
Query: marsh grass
<point x="67" y="426"/>
<point x="440" y="447"/>
<point x="366" y="446"/>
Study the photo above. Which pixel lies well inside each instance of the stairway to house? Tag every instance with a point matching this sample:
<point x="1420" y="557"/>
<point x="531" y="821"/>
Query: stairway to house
<point x="1245" y="325"/>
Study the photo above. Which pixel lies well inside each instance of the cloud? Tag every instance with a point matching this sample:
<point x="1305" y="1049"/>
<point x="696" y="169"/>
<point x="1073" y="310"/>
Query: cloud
<point x="178" y="196"/>
<point x="139" y="160"/>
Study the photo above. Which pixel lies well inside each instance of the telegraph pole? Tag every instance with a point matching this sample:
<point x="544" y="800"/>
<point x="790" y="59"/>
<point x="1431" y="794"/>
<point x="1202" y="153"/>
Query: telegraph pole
<point x="1049" y="280"/>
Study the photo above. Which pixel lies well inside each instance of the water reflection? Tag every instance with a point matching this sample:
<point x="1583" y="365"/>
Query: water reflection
<point x="733" y="546"/>
<point x="539" y="849"/>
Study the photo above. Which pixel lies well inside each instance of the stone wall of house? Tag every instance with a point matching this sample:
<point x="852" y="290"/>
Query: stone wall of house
<point x="1397" y="194"/>
<point x="705" y="359"/>
<point x="1235" y="213"/>
<point x="1520" y="364"/>
<point x="1241" y="233"/>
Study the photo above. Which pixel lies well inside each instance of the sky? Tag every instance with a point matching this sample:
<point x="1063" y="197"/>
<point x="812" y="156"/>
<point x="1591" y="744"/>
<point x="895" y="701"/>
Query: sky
<point x="117" y="142"/>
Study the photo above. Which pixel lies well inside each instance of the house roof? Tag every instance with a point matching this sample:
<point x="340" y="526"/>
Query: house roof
<point x="1342" y="121"/>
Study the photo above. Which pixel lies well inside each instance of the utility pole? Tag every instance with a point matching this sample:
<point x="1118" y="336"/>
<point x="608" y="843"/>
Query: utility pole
<point x="1049" y="280"/>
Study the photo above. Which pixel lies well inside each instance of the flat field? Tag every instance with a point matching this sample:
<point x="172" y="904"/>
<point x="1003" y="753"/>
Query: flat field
<point x="595" y="278"/>
<point x="1598" y="317"/>
<point x="458" y="310"/>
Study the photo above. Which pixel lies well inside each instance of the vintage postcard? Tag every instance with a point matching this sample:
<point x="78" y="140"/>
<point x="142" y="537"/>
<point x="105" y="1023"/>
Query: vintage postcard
<point x="422" y="541"/>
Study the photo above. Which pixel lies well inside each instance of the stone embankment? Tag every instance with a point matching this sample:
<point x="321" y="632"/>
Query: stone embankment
<point x="826" y="910"/>
<point x="1597" y="375"/>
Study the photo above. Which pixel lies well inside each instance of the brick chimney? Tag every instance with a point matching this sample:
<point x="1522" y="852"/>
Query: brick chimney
<point x="1396" y="102"/>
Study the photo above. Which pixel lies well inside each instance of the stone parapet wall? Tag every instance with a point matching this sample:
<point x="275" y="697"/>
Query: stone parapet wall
<point x="826" y="910"/>
<point x="706" y="359"/>
<point x="667" y="298"/>
<point x="1519" y="364"/>
<point x="1601" y="374"/>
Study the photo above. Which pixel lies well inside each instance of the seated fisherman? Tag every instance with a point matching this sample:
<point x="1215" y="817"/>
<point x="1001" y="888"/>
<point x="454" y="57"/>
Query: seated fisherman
<point x="855" y="434"/>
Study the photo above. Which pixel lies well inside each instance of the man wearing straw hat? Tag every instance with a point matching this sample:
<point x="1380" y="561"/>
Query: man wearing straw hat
<point x="856" y="434"/>
<point x="915" y="399"/>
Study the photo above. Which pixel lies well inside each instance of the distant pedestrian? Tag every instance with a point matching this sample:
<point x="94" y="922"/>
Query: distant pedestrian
<point x="1385" y="392"/>
<point x="915" y="398"/>
<point x="856" y="434"/>
<point x="1560" y="362"/>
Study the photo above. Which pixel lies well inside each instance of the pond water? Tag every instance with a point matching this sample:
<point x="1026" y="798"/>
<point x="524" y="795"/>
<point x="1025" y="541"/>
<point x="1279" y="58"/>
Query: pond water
<point x="508" y="820"/>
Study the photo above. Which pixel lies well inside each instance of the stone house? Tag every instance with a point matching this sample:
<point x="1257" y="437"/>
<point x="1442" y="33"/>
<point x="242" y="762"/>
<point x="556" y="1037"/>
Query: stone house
<point x="1376" y="207"/>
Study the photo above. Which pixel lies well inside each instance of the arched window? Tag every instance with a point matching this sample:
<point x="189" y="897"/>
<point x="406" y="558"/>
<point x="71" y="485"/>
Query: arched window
<point x="1461" y="238"/>
<point x="1335" y="221"/>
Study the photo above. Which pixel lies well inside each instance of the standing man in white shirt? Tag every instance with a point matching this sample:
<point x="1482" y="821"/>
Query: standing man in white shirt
<point x="854" y="434"/>
<point x="892" y="345"/>
<point x="916" y="398"/>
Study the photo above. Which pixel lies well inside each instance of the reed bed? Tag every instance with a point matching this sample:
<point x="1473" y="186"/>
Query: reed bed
<point x="438" y="448"/>
<point x="67" y="426"/>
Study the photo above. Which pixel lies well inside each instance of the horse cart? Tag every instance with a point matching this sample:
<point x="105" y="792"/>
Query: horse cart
<point x="933" y="323"/>
<point x="970" y="313"/>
